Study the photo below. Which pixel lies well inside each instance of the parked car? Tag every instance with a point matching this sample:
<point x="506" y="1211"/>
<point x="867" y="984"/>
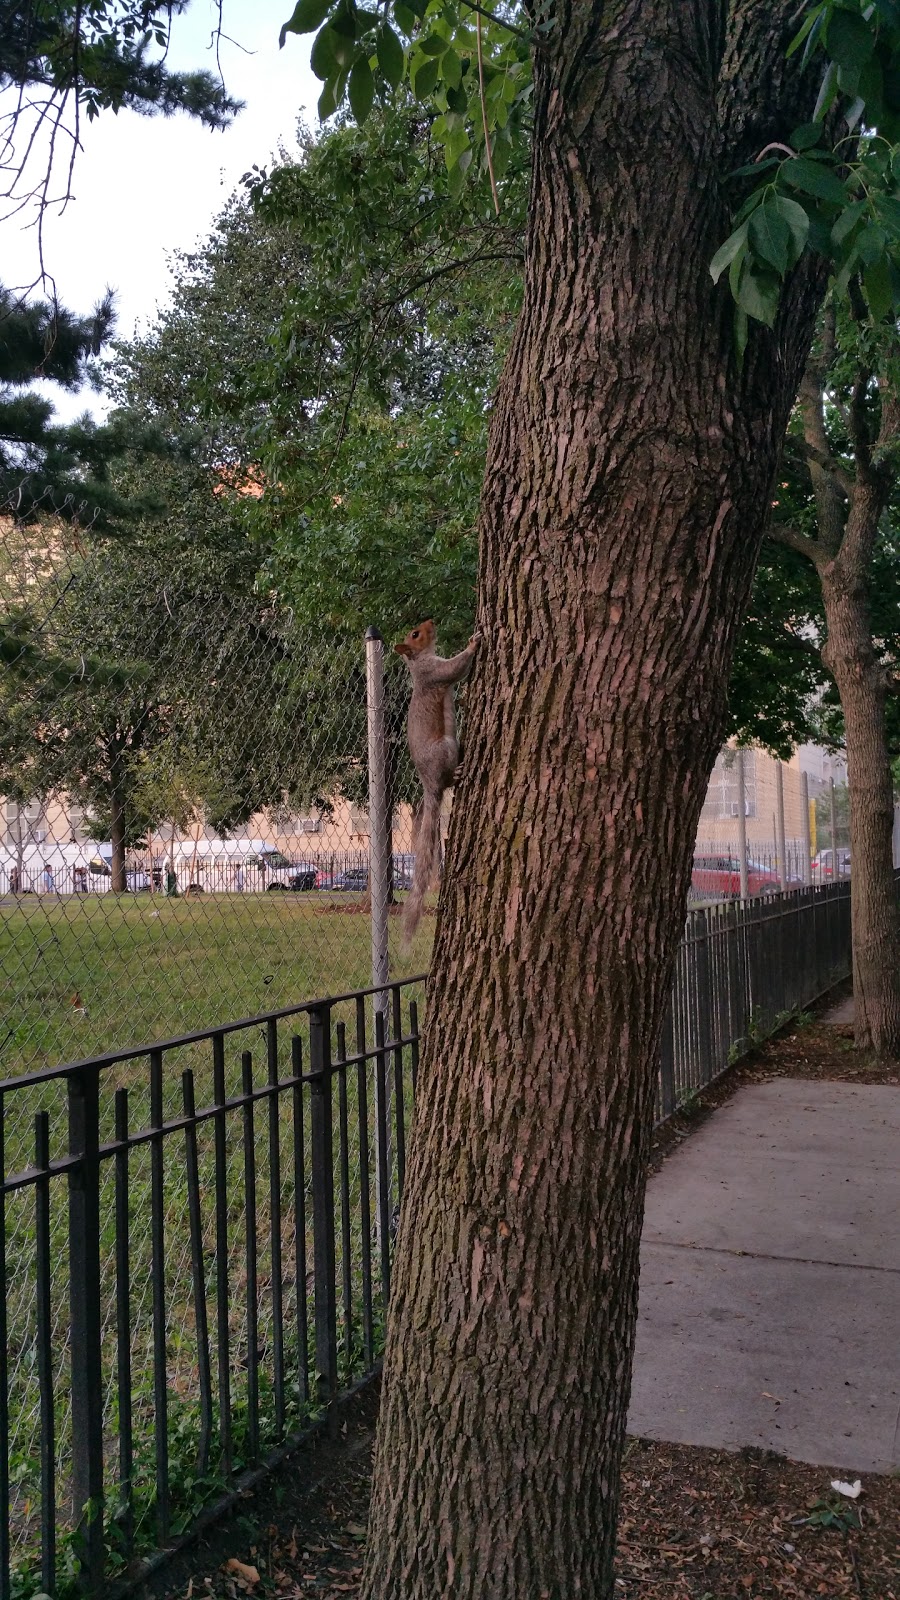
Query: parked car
<point x="823" y="864"/>
<point x="101" y="867"/>
<point x="355" y="878"/>
<point x="404" y="866"/>
<point x="304" y="878"/>
<point x="719" y="878"/>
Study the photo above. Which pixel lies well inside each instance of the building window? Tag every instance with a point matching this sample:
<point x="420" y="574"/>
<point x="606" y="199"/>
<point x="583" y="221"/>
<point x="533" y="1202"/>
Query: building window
<point x="723" y="795"/>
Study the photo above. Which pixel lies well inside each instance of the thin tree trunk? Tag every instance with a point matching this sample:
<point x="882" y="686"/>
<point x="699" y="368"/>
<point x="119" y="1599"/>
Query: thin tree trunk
<point x="629" y="475"/>
<point x="848" y="512"/>
<point x="850" y="655"/>
<point x="117" y="834"/>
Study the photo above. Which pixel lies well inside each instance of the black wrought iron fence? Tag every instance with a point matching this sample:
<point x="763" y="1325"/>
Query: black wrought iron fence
<point x="196" y="1238"/>
<point x="195" y="1255"/>
<point x="743" y="967"/>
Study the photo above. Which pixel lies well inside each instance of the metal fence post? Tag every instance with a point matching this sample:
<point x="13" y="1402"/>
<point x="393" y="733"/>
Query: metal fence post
<point x="323" y="1204"/>
<point x="807" y="836"/>
<point x="379" y="820"/>
<point x="780" y="844"/>
<point x="667" y="1062"/>
<point x="742" y="825"/>
<point x="84" y="1304"/>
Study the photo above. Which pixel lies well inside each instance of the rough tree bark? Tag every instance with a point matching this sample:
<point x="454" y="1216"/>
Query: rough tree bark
<point x="849" y="507"/>
<point x="629" y="474"/>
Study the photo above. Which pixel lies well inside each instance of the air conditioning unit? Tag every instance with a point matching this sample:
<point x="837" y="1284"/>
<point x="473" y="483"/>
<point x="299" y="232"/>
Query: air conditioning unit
<point x="310" y="824"/>
<point x="39" y="835"/>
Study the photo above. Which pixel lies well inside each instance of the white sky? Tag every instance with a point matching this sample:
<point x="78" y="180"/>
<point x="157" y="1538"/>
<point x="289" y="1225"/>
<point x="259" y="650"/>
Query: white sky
<point x="145" y="186"/>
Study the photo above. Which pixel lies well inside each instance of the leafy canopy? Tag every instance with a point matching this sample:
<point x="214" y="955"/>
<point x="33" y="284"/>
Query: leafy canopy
<point x="833" y="189"/>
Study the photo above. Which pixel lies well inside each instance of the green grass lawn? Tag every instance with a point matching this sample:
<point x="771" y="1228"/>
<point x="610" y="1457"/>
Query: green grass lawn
<point x="82" y="976"/>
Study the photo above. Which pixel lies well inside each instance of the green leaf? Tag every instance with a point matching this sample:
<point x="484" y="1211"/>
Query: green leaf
<point x="343" y="45"/>
<point x="425" y="78"/>
<point x="879" y="289"/>
<point x="870" y="244"/>
<point x="307" y="15"/>
<point x="501" y="153"/>
<point x="345" y="22"/>
<point x="751" y="168"/>
<point x="827" y="93"/>
<point x="331" y="96"/>
<point x="871" y="87"/>
<point x="456" y="181"/>
<point x="808" y="134"/>
<point x="322" y="58"/>
<point x="434" y="44"/>
<point x="361" y="89"/>
<point x="753" y="200"/>
<point x="819" y="232"/>
<point x="735" y="270"/>
<point x="809" y="20"/>
<point x="770" y="237"/>
<point x="727" y="252"/>
<point x="451" y="69"/>
<point x="454" y="146"/>
<point x="797" y="219"/>
<point x="847" y="221"/>
<point x="848" y="39"/>
<point x="888" y="208"/>
<point x="390" y="54"/>
<point x="848" y="81"/>
<point x="758" y="294"/>
<point x="404" y="17"/>
<point x="813" y="178"/>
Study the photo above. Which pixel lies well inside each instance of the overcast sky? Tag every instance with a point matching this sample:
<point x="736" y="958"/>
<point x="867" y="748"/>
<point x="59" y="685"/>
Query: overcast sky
<point x="146" y="186"/>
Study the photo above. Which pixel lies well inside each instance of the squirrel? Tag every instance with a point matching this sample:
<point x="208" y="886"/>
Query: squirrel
<point x="431" y="732"/>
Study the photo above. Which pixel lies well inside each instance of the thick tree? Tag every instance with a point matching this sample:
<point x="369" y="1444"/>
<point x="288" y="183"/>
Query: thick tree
<point x="850" y="420"/>
<point x="629" y="478"/>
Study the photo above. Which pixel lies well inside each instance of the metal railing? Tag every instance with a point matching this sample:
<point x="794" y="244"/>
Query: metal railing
<point x="195" y="1263"/>
<point x="196" y="1238"/>
<point x="744" y="967"/>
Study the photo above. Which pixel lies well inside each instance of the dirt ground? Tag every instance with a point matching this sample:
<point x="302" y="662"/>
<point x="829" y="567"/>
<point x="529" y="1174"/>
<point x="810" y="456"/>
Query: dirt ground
<point x="695" y="1524"/>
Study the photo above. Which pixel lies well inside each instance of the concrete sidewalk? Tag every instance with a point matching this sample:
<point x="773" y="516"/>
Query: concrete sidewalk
<point x="770" y="1279"/>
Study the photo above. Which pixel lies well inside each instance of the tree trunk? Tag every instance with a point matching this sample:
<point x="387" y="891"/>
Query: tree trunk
<point x="628" y="480"/>
<point x="850" y="655"/>
<point x="117" y="836"/>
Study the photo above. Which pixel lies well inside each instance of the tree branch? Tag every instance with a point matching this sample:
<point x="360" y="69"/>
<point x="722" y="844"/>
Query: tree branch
<point x="784" y="533"/>
<point x="825" y="460"/>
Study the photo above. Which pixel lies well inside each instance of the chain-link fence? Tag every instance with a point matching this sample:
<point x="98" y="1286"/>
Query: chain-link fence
<point x="185" y="834"/>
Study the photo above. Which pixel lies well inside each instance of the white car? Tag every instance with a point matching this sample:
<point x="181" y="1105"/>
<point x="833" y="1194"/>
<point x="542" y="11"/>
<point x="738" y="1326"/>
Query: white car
<point x="823" y="864"/>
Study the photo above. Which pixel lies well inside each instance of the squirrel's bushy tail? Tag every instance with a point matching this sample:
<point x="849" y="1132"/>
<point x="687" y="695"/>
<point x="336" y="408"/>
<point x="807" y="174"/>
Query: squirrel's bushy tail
<point x="426" y="861"/>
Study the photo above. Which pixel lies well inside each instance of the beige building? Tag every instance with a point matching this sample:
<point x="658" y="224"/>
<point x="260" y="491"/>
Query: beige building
<point x="721" y="808"/>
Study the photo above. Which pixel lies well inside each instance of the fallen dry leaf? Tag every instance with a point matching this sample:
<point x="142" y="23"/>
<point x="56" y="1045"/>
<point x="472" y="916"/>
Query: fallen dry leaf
<point x="241" y="1571"/>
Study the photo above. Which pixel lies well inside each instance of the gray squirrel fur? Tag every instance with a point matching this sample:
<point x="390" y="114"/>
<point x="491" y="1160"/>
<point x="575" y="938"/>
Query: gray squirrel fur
<point x="433" y="746"/>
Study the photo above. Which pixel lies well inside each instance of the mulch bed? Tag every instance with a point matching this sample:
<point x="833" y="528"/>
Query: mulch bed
<point x="695" y="1524"/>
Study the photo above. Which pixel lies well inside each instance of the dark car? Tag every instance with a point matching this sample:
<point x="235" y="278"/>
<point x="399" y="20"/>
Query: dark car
<point x="304" y="879"/>
<point x="355" y="878"/>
